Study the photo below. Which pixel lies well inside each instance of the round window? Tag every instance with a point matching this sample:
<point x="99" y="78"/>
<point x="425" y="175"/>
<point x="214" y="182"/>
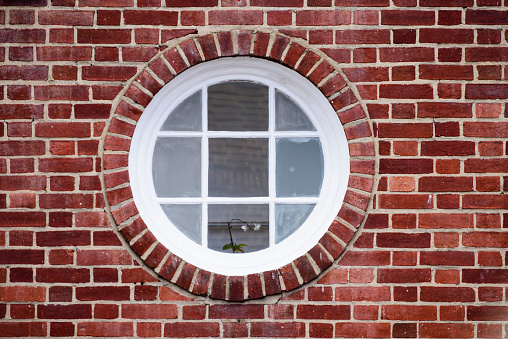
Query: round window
<point x="239" y="165"/>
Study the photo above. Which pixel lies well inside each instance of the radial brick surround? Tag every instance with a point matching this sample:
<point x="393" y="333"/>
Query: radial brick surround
<point x="418" y="249"/>
<point x="198" y="49"/>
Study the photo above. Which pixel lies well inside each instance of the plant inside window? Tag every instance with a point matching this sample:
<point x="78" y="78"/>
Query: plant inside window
<point x="245" y="226"/>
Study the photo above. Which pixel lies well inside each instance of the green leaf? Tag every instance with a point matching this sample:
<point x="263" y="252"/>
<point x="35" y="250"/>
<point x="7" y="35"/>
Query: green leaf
<point x="227" y="247"/>
<point x="240" y="245"/>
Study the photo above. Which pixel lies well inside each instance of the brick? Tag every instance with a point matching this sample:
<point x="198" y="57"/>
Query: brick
<point x="486" y="91"/>
<point x="104" y="36"/>
<point x="486" y="129"/>
<point x="79" y="311"/>
<point x="23" y="329"/>
<point x="234" y="17"/>
<point x="363" y="330"/>
<point x="21" y="54"/>
<point x="236" y="311"/>
<point x="103" y="293"/>
<point x="98" y="257"/>
<point x="323" y="18"/>
<point x="446" y="72"/>
<point x="105" y="329"/>
<point x="277" y="3"/>
<point x="389" y="275"/>
<point x="63" y="238"/>
<point x="62" y="275"/>
<point x="23" y="35"/>
<point x="487" y="313"/>
<point x="445" y="184"/>
<point x="275" y="329"/>
<point x="61" y="92"/>
<point x="446" y="330"/>
<point x="191" y="329"/>
<point x="149" y="311"/>
<point x="444" y="110"/>
<point x="66" y="18"/>
<point x="62" y="130"/>
<point x="486" y="17"/>
<point x="21" y="17"/>
<point x="147" y="17"/>
<point x="407" y="18"/>
<point x="408" y="312"/>
<point x="22" y="293"/>
<point x="362" y="3"/>
<point x="191" y="3"/>
<point x="419" y="91"/>
<point x="108" y="73"/>
<point x="66" y="201"/>
<point x="362" y="37"/>
<point x="408" y="54"/>
<point x="12" y="72"/>
<point x="449" y="3"/>
<point x="446" y="36"/>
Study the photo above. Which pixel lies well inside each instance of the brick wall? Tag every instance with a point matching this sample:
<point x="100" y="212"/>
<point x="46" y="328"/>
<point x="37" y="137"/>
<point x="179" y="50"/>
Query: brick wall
<point x="429" y="257"/>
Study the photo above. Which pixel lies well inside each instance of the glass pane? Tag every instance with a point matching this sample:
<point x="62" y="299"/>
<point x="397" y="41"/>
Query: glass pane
<point x="186" y="116"/>
<point x="176" y="167"/>
<point x="220" y="215"/>
<point x="238" y="106"/>
<point x="299" y="167"/>
<point x="289" y="218"/>
<point x="289" y="116"/>
<point x="187" y="218"/>
<point x="238" y="167"/>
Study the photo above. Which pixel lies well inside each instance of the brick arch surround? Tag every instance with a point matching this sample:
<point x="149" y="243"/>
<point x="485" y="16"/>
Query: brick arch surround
<point x="278" y="48"/>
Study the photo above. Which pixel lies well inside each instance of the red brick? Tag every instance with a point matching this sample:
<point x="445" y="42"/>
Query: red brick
<point x="409" y="54"/>
<point x="62" y="92"/>
<point x="446" y="330"/>
<point x="63" y="275"/>
<point x="277" y="3"/>
<point x="149" y="311"/>
<point x="146" y="17"/>
<point x="389" y="275"/>
<point x="98" y="257"/>
<point x="418" y="91"/>
<point x="362" y="36"/>
<point x="486" y="17"/>
<point x="103" y="293"/>
<point x="191" y="329"/>
<point x="108" y="73"/>
<point x="66" y="18"/>
<point x="236" y="311"/>
<point x="23" y="329"/>
<point x="322" y="18"/>
<point x="105" y="329"/>
<point x="275" y="329"/>
<point x="407" y="18"/>
<point x="194" y="312"/>
<point x="234" y="17"/>
<point x="191" y="3"/>
<point x="104" y="36"/>
<point x="362" y="3"/>
<point x="22" y="35"/>
<point x="408" y="312"/>
<point x="487" y="313"/>
<point x="447" y="36"/>
<point x="167" y="294"/>
<point x="22" y="17"/>
<point x="362" y="330"/>
<point x="22" y="293"/>
<point x="66" y="201"/>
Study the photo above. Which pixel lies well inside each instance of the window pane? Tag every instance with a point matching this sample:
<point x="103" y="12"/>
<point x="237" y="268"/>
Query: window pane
<point x="238" y="167"/>
<point x="289" y="116"/>
<point x="289" y="218"/>
<point x="187" y="218"/>
<point x="299" y="167"/>
<point x="238" y="106"/>
<point x="186" y="116"/>
<point x="176" y="167"/>
<point x="220" y="215"/>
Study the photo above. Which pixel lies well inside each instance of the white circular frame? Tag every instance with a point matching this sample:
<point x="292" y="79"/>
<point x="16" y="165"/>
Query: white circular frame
<point x="333" y="142"/>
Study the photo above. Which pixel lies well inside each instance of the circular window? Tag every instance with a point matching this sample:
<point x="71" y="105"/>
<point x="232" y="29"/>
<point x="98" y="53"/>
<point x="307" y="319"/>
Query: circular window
<point x="239" y="165"/>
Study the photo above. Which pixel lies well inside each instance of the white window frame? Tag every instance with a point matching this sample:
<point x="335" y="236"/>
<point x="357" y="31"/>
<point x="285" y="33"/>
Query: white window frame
<point x="328" y="129"/>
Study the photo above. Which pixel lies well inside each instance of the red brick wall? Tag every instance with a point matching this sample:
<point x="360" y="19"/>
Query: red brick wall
<point x="429" y="259"/>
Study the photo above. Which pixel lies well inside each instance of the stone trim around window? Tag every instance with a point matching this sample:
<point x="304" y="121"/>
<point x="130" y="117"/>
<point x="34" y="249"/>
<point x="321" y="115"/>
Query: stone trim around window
<point x="279" y="48"/>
